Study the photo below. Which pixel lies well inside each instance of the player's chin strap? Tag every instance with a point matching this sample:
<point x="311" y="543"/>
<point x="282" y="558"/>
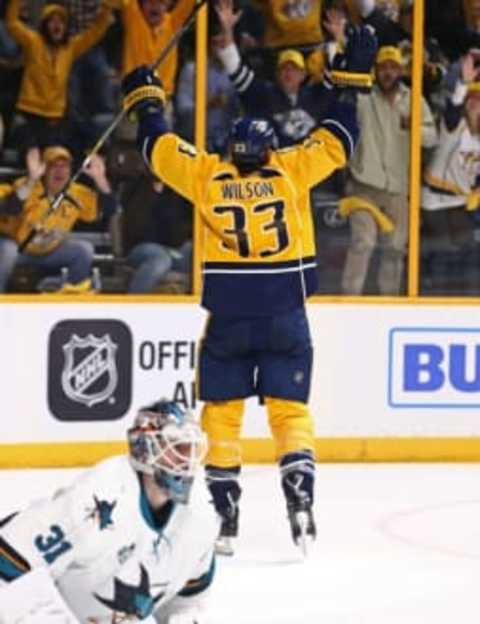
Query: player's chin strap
<point x="119" y="117"/>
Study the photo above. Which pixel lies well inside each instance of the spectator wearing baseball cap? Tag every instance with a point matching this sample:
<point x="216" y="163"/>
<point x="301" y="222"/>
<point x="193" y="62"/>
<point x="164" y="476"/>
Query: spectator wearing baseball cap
<point x="292" y="104"/>
<point x="378" y="178"/>
<point x="291" y="56"/>
<point x="389" y="54"/>
<point x="49" y="54"/>
<point x="451" y="193"/>
<point x="25" y="208"/>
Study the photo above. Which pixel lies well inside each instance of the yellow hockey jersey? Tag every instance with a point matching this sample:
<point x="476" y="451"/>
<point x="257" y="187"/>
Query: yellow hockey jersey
<point x="80" y="203"/>
<point x="258" y="242"/>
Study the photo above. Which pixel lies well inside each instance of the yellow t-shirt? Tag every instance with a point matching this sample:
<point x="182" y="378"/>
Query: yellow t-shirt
<point x="80" y="203"/>
<point x="142" y="44"/>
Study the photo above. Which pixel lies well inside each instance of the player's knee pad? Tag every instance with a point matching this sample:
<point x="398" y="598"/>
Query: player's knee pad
<point x="222" y="422"/>
<point x="291" y="425"/>
<point x="297" y="472"/>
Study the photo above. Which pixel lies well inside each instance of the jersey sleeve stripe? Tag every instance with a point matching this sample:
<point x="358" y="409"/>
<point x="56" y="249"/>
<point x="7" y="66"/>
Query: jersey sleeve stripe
<point x="341" y="132"/>
<point x="12" y="565"/>
<point x="242" y="78"/>
<point x="276" y="267"/>
<point x="270" y="271"/>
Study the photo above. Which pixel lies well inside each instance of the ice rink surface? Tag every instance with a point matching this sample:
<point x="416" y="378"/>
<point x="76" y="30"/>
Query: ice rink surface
<point x="397" y="544"/>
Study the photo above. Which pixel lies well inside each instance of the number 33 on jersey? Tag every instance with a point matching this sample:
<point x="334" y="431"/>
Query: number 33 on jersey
<point x="258" y="244"/>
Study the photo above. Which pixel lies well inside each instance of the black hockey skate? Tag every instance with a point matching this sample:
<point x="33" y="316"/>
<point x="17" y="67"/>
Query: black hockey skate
<point x="225" y="490"/>
<point x="302" y="525"/>
<point x="297" y="471"/>
<point x="228" y="532"/>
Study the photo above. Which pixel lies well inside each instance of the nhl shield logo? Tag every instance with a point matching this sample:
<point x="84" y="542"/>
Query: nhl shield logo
<point x="90" y="369"/>
<point x="90" y="372"/>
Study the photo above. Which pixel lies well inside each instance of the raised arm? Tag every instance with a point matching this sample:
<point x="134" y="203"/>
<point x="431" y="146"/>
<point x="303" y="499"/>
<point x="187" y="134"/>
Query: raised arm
<point x="388" y="31"/>
<point x="332" y="143"/>
<point x="174" y="161"/>
<point x="92" y="35"/>
<point x="181" y="11"/>
<point x="455" y="102"/>
<point x="19" y="31"/>
<point x="253" y="93"/>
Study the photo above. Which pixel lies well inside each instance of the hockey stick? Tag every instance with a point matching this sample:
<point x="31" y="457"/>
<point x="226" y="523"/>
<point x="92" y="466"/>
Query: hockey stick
<point x="119" y="117"/>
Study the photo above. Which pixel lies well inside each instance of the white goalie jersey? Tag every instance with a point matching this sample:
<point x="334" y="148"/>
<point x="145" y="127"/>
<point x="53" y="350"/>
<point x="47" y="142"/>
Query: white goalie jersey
<point x="110" y="558"/>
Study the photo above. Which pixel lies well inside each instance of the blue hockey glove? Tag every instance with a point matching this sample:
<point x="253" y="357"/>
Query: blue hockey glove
<point x="143" y="93"/>
<point x="353" y="67"/>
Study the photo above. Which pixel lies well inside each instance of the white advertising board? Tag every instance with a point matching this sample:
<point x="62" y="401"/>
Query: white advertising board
<point x="406" y="370"/>
<point x="75" y="372"/>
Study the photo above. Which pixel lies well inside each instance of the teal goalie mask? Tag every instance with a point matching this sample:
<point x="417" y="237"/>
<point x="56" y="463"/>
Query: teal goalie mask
<point x="167" y="443"/>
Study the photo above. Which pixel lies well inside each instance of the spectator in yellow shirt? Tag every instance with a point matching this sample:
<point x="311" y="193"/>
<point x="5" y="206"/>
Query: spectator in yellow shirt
<point x="24" y="205"/>
<point x="148" y="27"/>
<point x="49" y="54"/>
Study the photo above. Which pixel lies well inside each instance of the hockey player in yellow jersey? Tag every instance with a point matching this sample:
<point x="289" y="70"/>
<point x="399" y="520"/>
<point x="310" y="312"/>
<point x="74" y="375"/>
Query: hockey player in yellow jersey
<point x="258" y="263"/>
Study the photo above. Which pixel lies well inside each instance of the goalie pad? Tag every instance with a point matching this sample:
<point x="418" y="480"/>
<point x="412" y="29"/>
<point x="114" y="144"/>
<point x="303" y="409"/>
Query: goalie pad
<point x="34" y="599"/>
<point x="185" y="610"/>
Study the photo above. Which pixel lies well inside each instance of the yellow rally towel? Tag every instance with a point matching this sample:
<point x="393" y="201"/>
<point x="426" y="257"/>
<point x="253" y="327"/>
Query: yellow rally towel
<point x="473" y="200"/>
<point x="82" y="288"/>
<point x="353" y="203"/>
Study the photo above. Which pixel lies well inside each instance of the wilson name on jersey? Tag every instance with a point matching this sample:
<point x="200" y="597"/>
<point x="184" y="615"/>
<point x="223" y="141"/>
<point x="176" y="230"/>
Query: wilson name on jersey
<point x="258" y="244"/>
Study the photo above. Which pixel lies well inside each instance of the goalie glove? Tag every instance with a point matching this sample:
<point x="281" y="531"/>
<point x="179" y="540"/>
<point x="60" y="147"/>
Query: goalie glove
<point x="143" y="93"/>
<point x="352" y="68"/>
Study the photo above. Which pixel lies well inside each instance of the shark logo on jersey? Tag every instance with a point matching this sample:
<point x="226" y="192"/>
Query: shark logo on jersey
<point x="90" y="373"/>
<point x="131" y="601"/>
<point x="102" y="512"/>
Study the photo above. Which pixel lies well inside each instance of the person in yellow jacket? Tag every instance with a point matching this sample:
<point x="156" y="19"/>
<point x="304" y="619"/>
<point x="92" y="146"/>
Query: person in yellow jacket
<point x="24" y="205"/>
<point x="148" y="27"/>
<point x="49" y="54"/>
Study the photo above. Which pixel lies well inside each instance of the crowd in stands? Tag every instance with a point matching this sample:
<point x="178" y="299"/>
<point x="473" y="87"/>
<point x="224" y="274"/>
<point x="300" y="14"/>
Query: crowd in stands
<point x="62" y="62"/>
